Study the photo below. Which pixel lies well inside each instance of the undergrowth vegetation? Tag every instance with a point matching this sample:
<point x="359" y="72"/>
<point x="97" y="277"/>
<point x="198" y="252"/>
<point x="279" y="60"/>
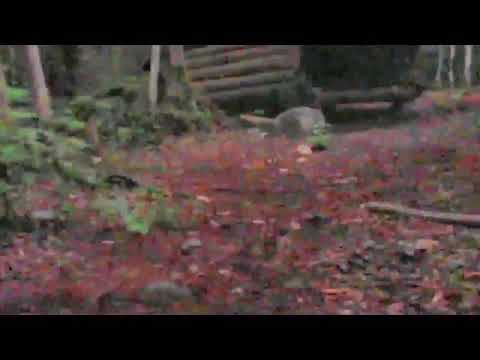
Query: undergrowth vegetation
<point x="230" y="223"/>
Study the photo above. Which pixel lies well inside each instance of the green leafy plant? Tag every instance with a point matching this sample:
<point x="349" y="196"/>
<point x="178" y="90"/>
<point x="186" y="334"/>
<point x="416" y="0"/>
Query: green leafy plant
<point x="4" y="188"/>
<point x="149" y="210"/>
<point x="13" y="153"/>
<point x="20" y="115"/>
<point x="477" y="120"/>
<point x="17" y="95"/>
<point x="321" y="137"/>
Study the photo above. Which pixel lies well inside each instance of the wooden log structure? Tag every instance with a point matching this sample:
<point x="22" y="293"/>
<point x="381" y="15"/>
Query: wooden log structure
<point x="224" y="73"/>
<point x="228" y="72"/>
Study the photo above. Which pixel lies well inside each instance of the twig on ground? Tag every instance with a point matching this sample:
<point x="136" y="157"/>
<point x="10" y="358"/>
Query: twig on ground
<point x="448" y="218"/>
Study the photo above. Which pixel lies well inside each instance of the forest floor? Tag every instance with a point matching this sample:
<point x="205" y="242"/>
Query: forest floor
<point x="280" y="230"/>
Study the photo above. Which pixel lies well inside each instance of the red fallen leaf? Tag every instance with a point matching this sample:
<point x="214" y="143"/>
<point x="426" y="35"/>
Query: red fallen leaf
<point x="304" y="150"/>
<point x="215" y="225"/>
<point x="335" y="294"/>
<point x="472" y="100"/>
<point x="427" y="245"/>
<point x="258" y="164"/>
<point x="80" y="201"/>
<point x="346" y="181"/>
<point x="352" y="220"/>
<point x="334" y="255"/>
<point x="258" y="222"/>
<point x="47" y="186"/>
<point x="469" y="162"/>
<point x="204" y="199"/>
<point x="438" y="302"/>
<point x="396" y="309"/>
<point x="471" y="275"/>
<point x="295" y="226"/>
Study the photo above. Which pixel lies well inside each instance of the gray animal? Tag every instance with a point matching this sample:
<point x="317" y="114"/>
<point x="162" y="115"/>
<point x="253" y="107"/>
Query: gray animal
<point x="300" y="122"/>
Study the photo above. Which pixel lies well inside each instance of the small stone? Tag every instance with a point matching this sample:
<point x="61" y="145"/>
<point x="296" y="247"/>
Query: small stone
<point x="238" y="291"/>
<point x="344" y="268"/>
<point x="44" y="215"/>
<point x="455" y="264"/>
<point x="164" y="293"/>
<point x="295" y="283"/>
<point x="370" y="244"/>
<point x="191" y="245"/>
<point x="96" y="160"/>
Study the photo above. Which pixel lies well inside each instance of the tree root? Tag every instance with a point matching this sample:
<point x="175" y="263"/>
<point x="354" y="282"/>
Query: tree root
<point x="447" y="218"/>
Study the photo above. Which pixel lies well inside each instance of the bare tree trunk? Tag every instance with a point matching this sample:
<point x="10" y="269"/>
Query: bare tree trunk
<point x="39" y="86"/>
<point x="452" y="56"/>
<point x="4" y="108"/>
<point x="468" y="64"/>
<point x="154" y="74"/>
<point x="116" y="59"/>
<point x="12" y="58"/>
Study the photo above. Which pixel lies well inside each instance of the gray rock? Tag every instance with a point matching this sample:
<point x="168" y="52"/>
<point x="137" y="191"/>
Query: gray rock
<point x="164" y="293"/>
<point x="300" y="122"/>
<point x="295" y="283"/>
<point x="44" y="215"/>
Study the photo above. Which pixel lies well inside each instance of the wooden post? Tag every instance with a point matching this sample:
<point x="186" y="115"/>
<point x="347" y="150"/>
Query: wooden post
<point x="37" y="77"/>
<point x="4" y="107"/>
<point x="116" y="52"/>
<point x="154" y="73"/>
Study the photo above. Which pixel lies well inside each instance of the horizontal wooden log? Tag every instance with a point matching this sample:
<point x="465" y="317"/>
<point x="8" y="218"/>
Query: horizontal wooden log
<point x="223" y="96"/>
<point x="229" y="57"/>
<point x="276" y="62"/>
<point x="213" y="49"/>
<point x="390" y="94"/>
<point x="244" y="81"/>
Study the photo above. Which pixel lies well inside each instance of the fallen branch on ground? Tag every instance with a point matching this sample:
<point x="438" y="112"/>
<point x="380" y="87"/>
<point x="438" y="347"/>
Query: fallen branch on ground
<point x="256" y="120"/>
<point x="448" y="218"/>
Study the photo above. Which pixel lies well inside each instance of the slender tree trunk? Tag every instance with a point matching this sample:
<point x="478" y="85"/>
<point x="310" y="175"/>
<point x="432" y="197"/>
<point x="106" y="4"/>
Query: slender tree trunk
<point x="116" y="59"/>
<point x="154" y="74"/>
<point x="468" y="64"/>
<point x="4" y="108"/>
<point x="441" y="59"/>
<point x="37" y="77"/>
